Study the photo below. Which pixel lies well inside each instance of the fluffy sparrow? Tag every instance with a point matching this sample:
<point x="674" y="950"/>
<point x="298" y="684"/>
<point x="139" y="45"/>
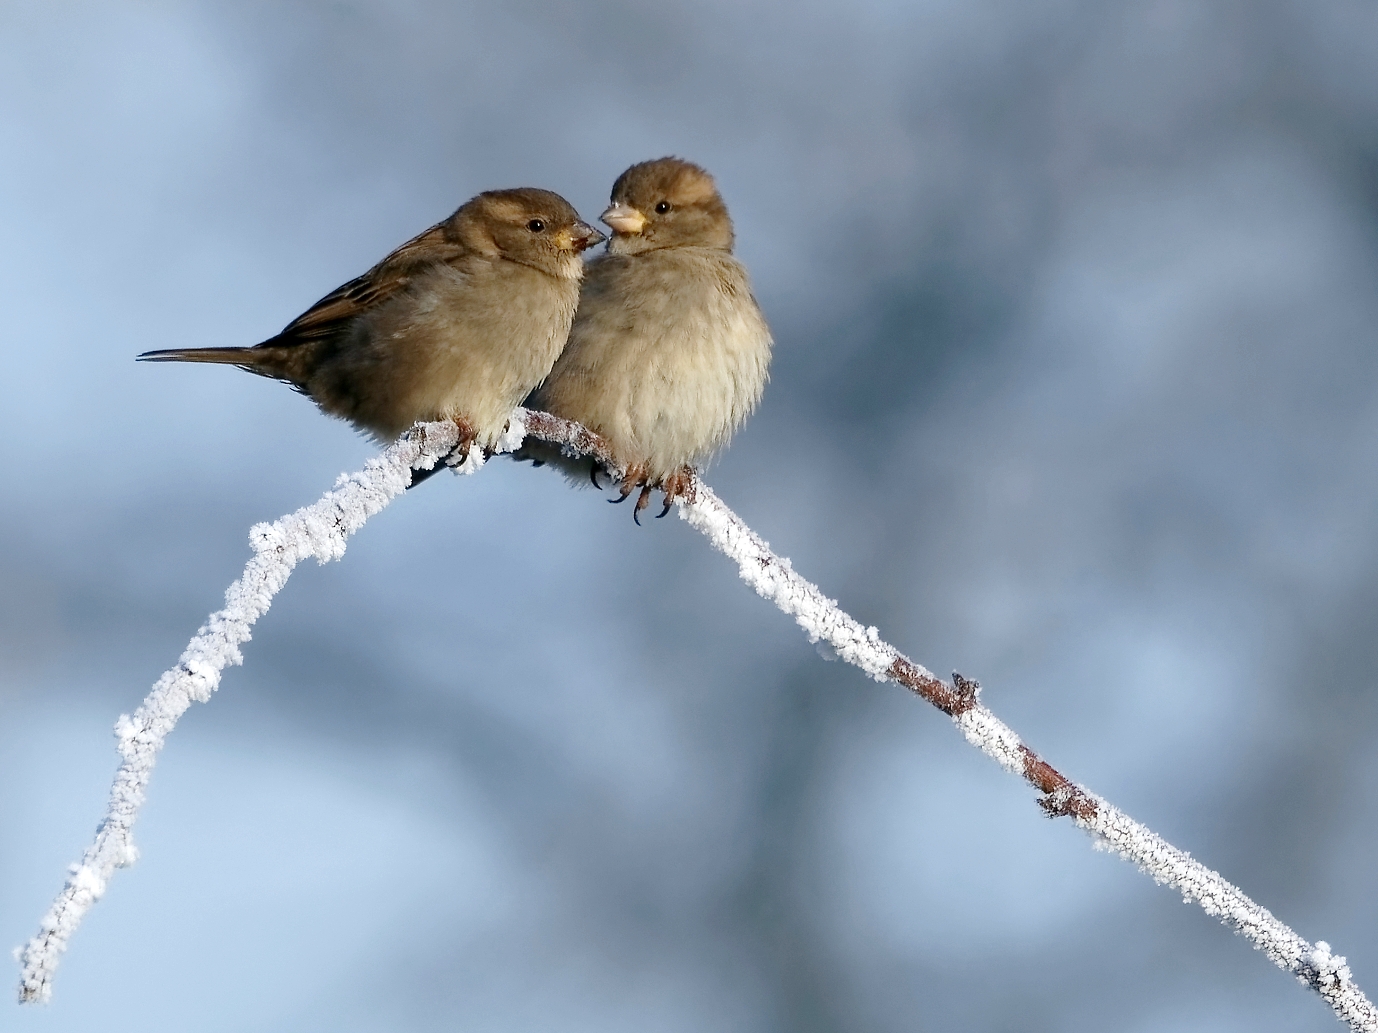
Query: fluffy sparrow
<point x="669" y="351"/>
<point x="458" y="323"/>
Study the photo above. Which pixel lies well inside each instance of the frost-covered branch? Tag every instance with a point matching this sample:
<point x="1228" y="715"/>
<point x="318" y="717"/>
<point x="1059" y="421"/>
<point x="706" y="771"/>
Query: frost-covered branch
<point x="773" y="577"/>
<point x="321" y="530"/>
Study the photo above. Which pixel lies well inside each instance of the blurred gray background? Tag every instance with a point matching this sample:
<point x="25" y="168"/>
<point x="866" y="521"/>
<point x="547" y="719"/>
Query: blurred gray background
<point x="1075" y="391"/>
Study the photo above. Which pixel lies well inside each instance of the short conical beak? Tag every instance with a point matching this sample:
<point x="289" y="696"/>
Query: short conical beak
<point x="585" y="236"/>
<point x="623" y="218"/>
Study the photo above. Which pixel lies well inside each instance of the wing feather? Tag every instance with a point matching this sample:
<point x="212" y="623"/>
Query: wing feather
<point x="333" y="313"/>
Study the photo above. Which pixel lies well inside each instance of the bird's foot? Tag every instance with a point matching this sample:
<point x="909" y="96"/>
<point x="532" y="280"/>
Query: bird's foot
<point x="679" y="485"/>
<point x="459" y="455"/>
<point x="453" y="459"/>
<point x="637" y="476"/>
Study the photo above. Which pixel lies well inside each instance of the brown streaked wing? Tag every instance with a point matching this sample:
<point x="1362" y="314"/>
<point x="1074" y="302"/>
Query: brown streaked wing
<point x="385" y="280"/>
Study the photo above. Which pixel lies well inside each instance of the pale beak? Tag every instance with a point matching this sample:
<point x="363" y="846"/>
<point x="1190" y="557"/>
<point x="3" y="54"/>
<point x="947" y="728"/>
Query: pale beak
<point x="623" y="218"/>
<point x="585" y="236"/>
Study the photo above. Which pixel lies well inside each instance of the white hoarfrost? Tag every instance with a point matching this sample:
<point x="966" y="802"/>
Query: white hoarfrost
<point x="992" y="737"/>
<point x="1326" y="973"/>
<point x="773" y="577"/>
<point x="320" y="530"/>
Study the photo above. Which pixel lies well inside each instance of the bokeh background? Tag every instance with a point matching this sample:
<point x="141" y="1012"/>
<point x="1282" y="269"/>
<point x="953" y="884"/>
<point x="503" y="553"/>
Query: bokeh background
<point x="1075" y="391"/>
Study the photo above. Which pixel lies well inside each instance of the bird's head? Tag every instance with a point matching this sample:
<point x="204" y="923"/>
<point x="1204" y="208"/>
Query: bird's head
<point x="528" y="225"/>
<point x="667" y="203"/>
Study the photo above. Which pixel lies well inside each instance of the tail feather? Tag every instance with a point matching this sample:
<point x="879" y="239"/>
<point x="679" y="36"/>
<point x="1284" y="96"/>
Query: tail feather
<point x="289" y="365"/>
<point x="233" y="356"/>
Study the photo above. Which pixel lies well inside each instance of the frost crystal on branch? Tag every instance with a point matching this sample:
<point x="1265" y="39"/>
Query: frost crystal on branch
<point x="321" y="530"/>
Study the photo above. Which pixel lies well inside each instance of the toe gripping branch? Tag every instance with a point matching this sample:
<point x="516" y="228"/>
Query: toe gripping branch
<point x="457" y="456"/>
<point x="679" y="485"/>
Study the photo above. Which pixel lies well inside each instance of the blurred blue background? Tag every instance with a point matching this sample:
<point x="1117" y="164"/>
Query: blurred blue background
<point x="1075" y="391"/>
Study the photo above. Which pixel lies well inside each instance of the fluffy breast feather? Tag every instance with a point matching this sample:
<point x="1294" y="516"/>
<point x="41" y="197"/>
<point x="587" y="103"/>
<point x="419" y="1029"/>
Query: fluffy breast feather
<point x="667" y="356"/>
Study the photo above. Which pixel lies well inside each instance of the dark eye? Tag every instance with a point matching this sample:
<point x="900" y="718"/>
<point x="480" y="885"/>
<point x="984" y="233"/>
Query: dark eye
<point x="663" y="207"/>
<point x="535" y="225"/>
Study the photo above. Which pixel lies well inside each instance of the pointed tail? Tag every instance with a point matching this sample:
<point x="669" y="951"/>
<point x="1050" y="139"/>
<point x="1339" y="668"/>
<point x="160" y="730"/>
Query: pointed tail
<point x="287" y="364"/>
<point x="233" y="356"/>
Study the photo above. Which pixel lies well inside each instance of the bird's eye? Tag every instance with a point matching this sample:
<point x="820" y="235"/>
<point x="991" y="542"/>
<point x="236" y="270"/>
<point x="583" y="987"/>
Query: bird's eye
<point x="663" y="207"/>
<point x="535" y="225"/>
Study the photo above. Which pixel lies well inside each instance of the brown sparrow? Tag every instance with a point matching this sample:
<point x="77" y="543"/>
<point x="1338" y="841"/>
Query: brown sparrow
<point x="458" y="323"/>
<point x="669" y="351"/>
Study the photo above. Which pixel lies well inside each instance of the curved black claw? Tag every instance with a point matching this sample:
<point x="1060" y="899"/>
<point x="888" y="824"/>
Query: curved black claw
<point x="669" y="501"/>
<point x="620" y="498"/>
<point x="641" y="502"/>
<point x="593" y="476"/>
